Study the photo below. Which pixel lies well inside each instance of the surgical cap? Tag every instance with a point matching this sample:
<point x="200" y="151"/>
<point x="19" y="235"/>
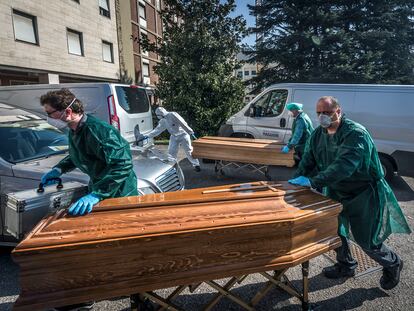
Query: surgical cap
<point x="294" y="106"/>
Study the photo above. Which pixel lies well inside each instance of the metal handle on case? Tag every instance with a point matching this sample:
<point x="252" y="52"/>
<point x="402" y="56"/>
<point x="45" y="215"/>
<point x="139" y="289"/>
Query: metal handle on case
<point x="41" y="187"/>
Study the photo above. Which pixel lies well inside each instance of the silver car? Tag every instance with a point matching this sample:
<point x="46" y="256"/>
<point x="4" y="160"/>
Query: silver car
<point x="30" y="147"/>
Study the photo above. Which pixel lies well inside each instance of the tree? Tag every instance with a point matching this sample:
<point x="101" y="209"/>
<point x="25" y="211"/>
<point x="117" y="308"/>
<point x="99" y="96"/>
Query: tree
<point x="196" y="73"/>
<point x="338" y="41"/>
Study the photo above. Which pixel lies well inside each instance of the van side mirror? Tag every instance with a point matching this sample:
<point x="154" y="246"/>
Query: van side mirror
<point x="253" y="111"/>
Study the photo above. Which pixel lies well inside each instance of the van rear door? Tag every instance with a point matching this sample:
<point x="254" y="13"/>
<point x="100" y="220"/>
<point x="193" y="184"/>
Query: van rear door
<point x="131" y="106"/>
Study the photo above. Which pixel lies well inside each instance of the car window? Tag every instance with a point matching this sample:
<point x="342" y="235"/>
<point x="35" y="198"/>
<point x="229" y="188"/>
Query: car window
<point x="30" y="139"/>
<point x="132" y="100"/>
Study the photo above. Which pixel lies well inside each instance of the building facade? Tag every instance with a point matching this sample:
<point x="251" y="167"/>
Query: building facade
<point x="245" y="73"/>
<point x="138" y="19"/>
<point x="58" y="41"/>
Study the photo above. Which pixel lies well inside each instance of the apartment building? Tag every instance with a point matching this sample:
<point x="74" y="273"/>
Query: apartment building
<point x="138" y="19"/>
<point x="61" y="41"/>
<point x="245" y="73"/>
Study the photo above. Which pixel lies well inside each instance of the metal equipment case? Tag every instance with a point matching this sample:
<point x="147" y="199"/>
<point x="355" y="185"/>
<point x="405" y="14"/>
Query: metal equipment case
<point x="24" y="209"/>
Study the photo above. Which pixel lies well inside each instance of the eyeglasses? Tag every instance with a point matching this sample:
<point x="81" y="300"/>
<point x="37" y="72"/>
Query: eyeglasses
<point x="327" y="113"/>
<point x="50" y="113"/>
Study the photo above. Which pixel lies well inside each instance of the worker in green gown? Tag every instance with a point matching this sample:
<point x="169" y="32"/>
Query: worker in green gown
<point x="340" y="157"/>
<point x="95" y="147"/>
<point x="302" y="128"/>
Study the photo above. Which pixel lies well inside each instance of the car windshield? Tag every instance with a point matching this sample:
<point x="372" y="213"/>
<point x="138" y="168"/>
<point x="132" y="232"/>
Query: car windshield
<point x="24" y="140"/>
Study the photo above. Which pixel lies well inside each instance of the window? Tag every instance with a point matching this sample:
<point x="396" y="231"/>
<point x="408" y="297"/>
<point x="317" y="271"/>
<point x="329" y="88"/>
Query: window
<point x="246" y="72"/>
<point x="104" y="8"/>
<point x="145" y="70"/>
<point x="132" y="100"/>
<point x="25" y="27"/>
<point x="239" y="74"/>
<point x="107" y="52"/>
<point x="254" y="72"/>
<point x="144" y="35"/>
<point x="271" y="104"/>
<point x="141" y="11"/>
<point x="75" y="42"/>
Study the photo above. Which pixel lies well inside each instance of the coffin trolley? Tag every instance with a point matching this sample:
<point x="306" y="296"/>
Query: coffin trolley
<point x="136" y="245"/>
<point x="242" y="153"/>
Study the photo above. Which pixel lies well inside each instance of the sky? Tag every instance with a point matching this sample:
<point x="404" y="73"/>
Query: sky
<point x="242" y="9"/>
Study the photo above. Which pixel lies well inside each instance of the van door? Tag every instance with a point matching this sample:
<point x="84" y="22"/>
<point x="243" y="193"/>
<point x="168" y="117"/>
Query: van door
<point x="267" y="118"/>
<point x="132" y="109"/>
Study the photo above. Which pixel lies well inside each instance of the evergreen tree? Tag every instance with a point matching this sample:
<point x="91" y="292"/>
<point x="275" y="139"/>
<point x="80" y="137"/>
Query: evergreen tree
<point x="198" y="49"/>
<point x="338" y="41"/>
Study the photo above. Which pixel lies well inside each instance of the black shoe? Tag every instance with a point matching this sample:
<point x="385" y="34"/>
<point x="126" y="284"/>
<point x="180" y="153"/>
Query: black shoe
<point x="391" y="276"/>
<point x="140" y="303"/>
<point x="338" y="271"/>
<point x="197" y="168"/>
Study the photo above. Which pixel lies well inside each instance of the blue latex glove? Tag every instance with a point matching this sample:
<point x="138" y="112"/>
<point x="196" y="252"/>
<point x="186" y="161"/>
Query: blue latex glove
<point x="143" y="138"/>
<point x="301" y="181"/>
<point x="285" y="149"/>
<point x="84" y="205"/>
<point x="53" y="173"/>
<point x="193" y="136"/>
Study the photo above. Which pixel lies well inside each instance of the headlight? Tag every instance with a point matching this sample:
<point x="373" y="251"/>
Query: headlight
<point x="146" y="190"/>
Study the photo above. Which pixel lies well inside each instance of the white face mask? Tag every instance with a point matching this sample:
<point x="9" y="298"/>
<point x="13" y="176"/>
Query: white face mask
<point x="59" y="123"/>
<point x="325" y="120"/>
<point x="159" y="116"/>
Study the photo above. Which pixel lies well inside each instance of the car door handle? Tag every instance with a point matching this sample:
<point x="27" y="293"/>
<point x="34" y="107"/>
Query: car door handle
<point x="282" y="122"/>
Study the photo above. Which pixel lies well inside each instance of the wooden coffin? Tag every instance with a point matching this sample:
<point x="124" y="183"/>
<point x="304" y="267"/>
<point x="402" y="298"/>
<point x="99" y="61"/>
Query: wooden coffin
<point x="244" y="150"/>
<point x="138" y="244"/>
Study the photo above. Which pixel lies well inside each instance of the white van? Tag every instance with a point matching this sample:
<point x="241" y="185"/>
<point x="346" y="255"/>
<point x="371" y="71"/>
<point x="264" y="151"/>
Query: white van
<point x="123" y="106"/>
<point x="387" y="111"/>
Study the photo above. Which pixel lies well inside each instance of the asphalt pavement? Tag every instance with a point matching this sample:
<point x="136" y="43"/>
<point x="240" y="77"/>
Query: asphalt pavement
<point x="362" y="293"/>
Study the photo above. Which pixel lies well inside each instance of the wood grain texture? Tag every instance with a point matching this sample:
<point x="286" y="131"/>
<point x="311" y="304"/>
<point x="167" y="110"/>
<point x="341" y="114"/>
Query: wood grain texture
<point x="136" y="244"/>
<point x="243" y="150"/>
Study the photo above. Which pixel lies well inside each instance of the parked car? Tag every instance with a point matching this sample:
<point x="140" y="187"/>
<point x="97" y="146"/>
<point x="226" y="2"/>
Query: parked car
<point x="30" y="147"/>
<point x="387" y="111"/>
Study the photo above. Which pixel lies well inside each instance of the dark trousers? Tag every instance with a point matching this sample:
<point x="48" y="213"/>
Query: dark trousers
<point x="381" y="254"/>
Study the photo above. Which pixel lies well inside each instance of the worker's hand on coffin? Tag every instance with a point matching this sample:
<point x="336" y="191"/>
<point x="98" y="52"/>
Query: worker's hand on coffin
<point x="285" y="149"/>
<point x="300" y="181"/>
<point x="193" y="137"/>
<point x="84" y="205"/>
<point x="49" y="177"/>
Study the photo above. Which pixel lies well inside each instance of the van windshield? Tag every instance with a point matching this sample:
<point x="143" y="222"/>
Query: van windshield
<point x="132" y="100"/>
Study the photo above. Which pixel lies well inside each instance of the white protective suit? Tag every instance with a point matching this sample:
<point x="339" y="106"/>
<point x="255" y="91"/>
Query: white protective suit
<point x="179" y="130"/>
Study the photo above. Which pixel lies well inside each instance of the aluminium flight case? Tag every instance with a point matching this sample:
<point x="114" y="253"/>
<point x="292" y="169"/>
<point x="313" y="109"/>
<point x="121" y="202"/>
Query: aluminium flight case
<point x="24" y="209"/>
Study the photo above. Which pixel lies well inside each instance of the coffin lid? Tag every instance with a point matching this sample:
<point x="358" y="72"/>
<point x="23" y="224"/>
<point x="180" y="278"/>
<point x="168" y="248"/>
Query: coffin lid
<point x="201" y="209"/>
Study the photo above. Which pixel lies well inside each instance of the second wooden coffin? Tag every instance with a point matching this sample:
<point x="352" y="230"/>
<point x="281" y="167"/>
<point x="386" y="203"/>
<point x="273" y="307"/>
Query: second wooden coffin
<point x="244" y="150"/>
<point x="137" y="244"/>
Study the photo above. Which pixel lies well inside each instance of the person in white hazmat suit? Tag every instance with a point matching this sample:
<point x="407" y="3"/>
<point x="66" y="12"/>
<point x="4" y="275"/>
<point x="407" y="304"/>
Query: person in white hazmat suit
<point x="179" y="131"/>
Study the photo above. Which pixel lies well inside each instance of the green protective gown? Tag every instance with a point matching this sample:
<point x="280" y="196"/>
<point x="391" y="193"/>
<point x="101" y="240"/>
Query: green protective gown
<point x="99" y="150"/>
<point x="348" y="167"/>
<point x="307" y="127"/>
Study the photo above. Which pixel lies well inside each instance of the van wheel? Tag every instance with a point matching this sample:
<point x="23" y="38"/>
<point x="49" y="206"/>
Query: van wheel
<point x="387" y="167"/>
